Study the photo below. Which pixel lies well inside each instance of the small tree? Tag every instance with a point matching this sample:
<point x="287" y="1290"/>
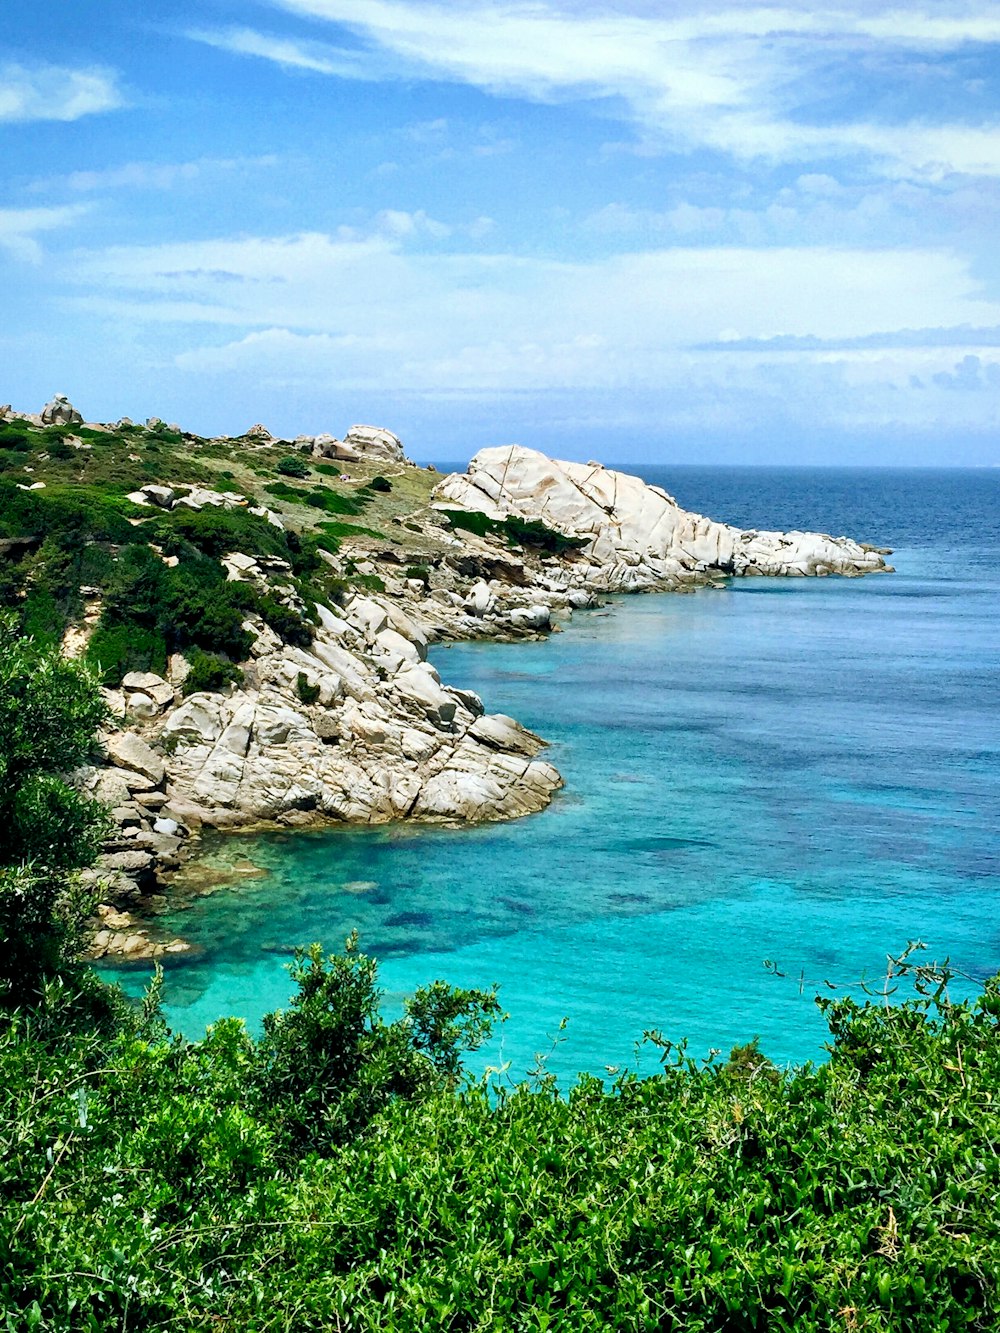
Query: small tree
<point x="49" y="711"/>
<point x="330" y="1063"/>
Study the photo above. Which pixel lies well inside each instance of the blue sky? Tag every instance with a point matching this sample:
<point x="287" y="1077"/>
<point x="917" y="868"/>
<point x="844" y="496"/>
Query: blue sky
<point x="688" y="232"/>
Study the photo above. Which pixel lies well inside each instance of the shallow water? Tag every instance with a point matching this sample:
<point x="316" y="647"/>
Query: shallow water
<point x="802" y="770"/>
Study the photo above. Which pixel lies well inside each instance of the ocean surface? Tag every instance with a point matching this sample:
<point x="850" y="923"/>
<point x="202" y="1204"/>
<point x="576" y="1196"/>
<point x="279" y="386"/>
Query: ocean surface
<point x="799" y="771"/>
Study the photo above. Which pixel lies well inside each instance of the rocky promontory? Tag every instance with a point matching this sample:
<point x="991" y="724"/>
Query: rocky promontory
<point x="260" y="611"/>
<point x="633" y="536"/>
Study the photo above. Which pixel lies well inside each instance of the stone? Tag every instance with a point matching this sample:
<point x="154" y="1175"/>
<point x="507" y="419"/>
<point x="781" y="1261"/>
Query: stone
<point x="530" y="617"/>
<point x="126" y="816"/>
<point x="417" y="684"/>
<point x="146" y="682"/>
<point x="631" y="535"/>
<point x="167" y="826"/>
<point x="159" y="495"/>
<point x="501" y="732"/>
<point x="141" y="706"/>
<point x="328" y="446"/>
<point x="480" y="600"/>
<point x="128" y="751"/>
<point x="375" y="442"/>
<point x="259" y="432"/>
<point x="129" y="862"/>
<point x="61" y="412"/>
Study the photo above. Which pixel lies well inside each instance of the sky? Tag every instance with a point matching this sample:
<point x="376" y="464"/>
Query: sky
<point x="682" y="232"/>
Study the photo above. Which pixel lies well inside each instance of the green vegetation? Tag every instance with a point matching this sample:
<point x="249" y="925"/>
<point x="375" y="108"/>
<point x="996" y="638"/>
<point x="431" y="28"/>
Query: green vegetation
<point x="336" y="1172"/>
<point x="211" y="672"/>
<point x="292" y="465"/>
<point x="331" y="528"/>
<point x="306" y="692"/>
<point x="49" y="710"/>
<point x="517" y="531"/>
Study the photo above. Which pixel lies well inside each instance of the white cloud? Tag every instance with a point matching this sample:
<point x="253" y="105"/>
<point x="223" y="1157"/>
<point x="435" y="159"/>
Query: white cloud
<point x="152" y="175"/>
<point x="55" y="92"/>
<point x="313" y="57"/>
<point x="729" y="79"/>
<point x="19" y="228"/>
<point x="368" y="311"/>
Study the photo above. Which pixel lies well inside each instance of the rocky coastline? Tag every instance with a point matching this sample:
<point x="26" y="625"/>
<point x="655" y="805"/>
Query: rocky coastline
<point x="356" y="725"/>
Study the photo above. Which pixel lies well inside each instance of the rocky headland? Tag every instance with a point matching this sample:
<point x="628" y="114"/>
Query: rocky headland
<point x="332" y="711"/>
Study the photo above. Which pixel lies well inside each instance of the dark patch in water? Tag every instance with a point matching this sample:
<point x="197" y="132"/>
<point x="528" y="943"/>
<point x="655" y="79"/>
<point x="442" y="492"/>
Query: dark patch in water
<point x="660" y="843"/>
<point x="629" y="899"/>
<point x="421" y="919"/>
<point x="518" y="906"/>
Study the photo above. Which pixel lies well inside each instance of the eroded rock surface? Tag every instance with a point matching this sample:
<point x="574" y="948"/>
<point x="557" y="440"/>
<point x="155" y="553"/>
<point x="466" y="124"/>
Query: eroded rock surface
<point x="634" y="535"/>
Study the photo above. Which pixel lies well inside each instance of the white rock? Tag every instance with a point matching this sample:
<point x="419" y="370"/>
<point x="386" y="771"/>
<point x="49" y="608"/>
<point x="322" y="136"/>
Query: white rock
<point x="480" y="600"/>
<point x="128" y="751"/>
<point x="530" y="617"/>
<point x="375" y="442"/>
<point x="142" y="706"/>
<point x="633" y="535"/>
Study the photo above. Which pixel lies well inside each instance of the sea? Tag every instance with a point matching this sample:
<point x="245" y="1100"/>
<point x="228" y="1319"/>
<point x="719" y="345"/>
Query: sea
<point x="769" y="788"/>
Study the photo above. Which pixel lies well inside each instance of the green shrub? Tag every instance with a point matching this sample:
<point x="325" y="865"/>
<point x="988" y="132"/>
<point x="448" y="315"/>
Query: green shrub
<point x="210" y="672"/>
<point x="293" y="465"/>
<point x="307" y="693"/>
<point x="420" y="572"/>
<point x="379" y="483"/>
<point x="216" y="531"/>
<point x="517" y="531"/>
<point x="116" y="649"/>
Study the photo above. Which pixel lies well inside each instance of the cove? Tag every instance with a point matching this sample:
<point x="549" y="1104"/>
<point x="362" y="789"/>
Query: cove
<point x="801" y="771"/>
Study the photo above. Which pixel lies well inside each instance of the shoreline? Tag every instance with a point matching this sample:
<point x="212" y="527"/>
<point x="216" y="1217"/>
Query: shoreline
<point x="357" y="727"/>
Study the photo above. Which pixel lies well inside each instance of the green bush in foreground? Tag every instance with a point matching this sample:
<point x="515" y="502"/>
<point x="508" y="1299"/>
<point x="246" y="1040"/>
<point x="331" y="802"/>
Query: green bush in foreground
<point x="333" y="1175"/>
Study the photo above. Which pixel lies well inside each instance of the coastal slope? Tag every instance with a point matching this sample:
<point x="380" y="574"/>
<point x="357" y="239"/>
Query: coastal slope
<point x="635" y="536"/>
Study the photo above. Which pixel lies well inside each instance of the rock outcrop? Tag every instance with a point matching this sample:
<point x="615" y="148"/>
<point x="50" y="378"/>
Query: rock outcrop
<point x="61" y="412"/>
<point x="357" y="727"/>
<point x="635" y="536"/>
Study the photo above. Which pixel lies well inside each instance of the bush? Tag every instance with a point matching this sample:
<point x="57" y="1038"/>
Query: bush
<point x="308" y="694"/>
<point x="49" y="711"/>
<point x="517" y="531"/>
<point x="378" y="484"/>
<point x="116" y="649"/>
<point x="210" y="672"/>
<point x="293" y="466"/>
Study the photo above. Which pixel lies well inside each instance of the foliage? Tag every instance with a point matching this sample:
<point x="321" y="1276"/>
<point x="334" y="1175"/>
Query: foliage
<point x="292" y="465"/>
<point x="49" y="710"/>
<point x="379" y="483"/>
<point x="306" y="692"/>
<point x="211" y="672"/>
<point x="517" y="531"/>
<point x="215" y="531"/>
<point x="333" y="1174"/>
<point x="320" y="497"/>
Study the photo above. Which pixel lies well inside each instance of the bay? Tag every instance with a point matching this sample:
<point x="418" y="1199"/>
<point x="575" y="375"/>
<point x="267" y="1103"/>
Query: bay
<point x="800" y="771"/>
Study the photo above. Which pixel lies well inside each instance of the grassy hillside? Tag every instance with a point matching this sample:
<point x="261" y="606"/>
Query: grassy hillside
<point x="74" y="547"/>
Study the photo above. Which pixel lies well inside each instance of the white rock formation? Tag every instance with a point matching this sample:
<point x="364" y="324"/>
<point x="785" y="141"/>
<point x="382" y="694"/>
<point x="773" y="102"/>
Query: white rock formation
<point x="375" y="442"/>
<point x="60" y="412"/>
<point x="633" y="535"/>
<point x="384" y="737"/>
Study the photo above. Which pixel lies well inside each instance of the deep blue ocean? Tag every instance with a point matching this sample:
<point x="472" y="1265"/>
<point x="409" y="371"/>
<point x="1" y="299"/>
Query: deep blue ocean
<point x="801" y="771"/>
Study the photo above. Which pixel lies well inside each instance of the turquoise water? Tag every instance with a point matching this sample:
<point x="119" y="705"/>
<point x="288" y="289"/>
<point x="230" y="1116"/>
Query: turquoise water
<point x="803" y="771"/>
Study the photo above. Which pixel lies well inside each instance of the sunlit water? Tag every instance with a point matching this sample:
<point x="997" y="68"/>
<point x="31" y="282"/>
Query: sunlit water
<point x="803" y="771"/>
